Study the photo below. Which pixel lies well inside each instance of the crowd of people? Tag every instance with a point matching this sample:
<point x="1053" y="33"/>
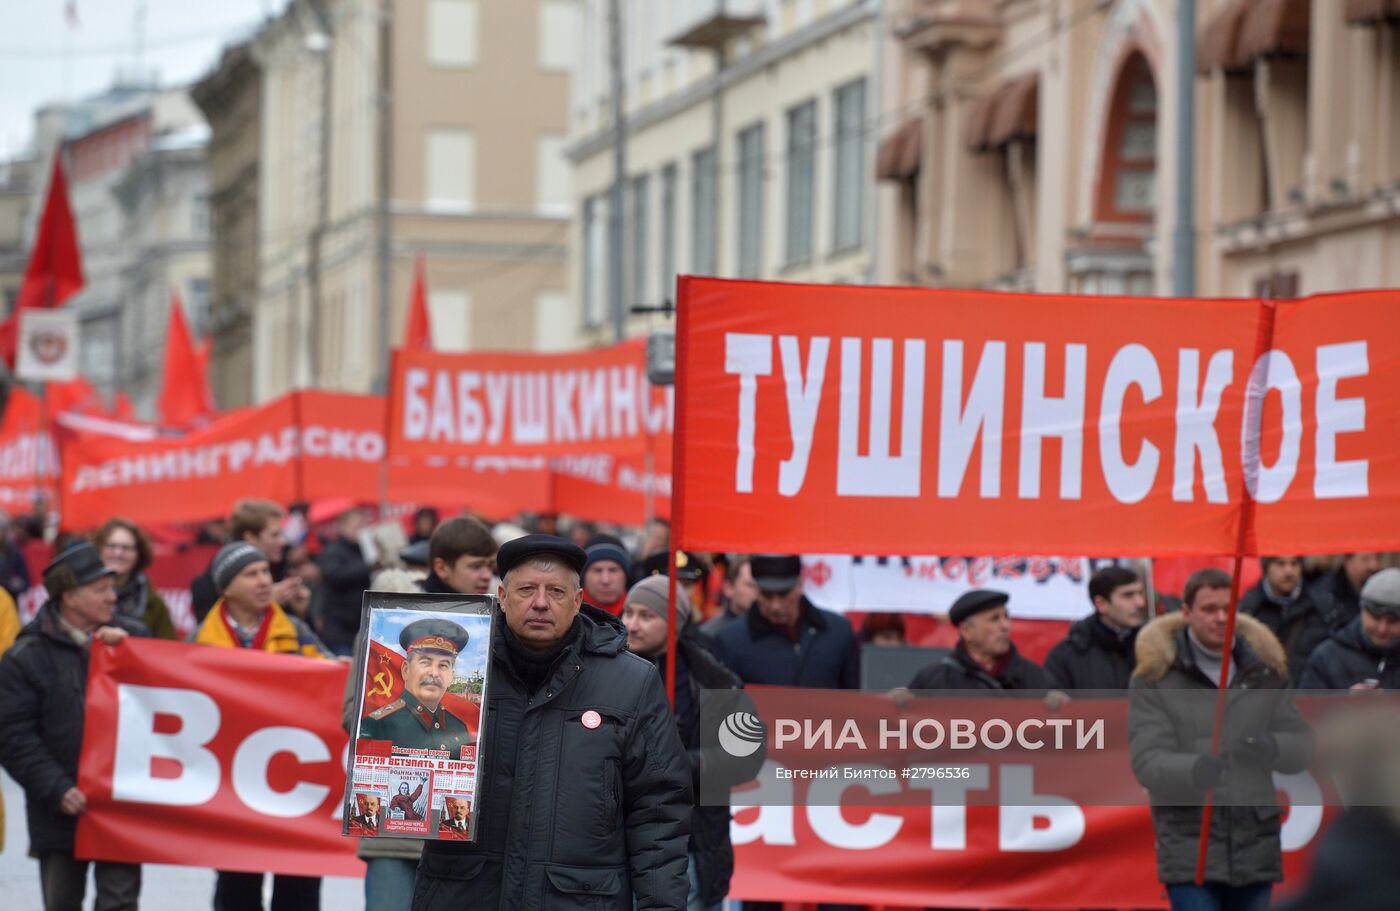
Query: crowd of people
<point x="586" y="621"/>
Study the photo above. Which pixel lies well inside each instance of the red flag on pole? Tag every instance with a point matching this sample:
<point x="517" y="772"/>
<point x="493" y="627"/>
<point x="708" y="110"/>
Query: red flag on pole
<point x="418" y="336"/>
<point x="55" y="271"/>
<point x="73" y="397"/>
<point x="185" y="396"/>
<point x="122" y="409"/>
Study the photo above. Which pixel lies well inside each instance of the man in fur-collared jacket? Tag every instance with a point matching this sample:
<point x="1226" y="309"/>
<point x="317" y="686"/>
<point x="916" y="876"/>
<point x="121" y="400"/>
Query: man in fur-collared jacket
<point x="1170" y="723"/>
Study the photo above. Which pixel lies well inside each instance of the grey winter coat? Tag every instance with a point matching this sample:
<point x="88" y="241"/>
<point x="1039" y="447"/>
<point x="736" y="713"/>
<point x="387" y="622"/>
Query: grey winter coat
<point x="572" y="816"/>
<point x="1170" y="721"/>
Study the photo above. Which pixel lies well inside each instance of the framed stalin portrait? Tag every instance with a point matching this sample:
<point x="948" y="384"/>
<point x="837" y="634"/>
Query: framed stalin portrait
<point x="421" y="666"/>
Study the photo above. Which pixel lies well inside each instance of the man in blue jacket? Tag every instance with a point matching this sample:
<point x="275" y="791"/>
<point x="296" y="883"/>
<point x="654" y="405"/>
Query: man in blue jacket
<point x="785" y="640"/>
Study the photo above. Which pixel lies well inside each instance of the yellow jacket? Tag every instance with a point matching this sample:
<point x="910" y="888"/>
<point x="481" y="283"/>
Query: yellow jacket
<point x="9" y="629"/>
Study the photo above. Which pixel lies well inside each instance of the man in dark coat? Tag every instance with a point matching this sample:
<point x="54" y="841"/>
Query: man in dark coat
<point x="1281" y="601"/>
<point x="697" y="670"/>
<point x="785" y="640"/>
<point x="1337" y="594"/>
<point x="344" y="577"/>
<point x="1170" y="723"/>
<point x="1364" y="654"/>
<point x="1097" y="654"/>
<point x="43" y="685"/>
<point x="585" y="792"/>
<point x="985" y="658"/>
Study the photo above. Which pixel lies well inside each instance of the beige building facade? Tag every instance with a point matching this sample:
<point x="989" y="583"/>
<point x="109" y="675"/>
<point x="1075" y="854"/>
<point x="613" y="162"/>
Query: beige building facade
<point x="389" y="131"/>
<point x="749" y="147"/>
<point x="1040" y="148"/>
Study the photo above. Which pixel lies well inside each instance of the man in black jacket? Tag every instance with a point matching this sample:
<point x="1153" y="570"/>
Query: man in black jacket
<point x="1338" y="593"/>
<point x="1098" y="652"/>
<point x="344" y="577"/>
<point x="43" y="684"/>
<point x="1364" y="654"/>
<point x="585" y="793"/>
<point x="985" y="657"/>
<point x="1281" y="601"/>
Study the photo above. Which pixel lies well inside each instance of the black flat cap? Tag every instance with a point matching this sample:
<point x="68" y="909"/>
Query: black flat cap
<point x="512" y="552"/>
<point x="689" y="567"/>
<point x="77" y="565"/>
<point x="775" y="573"/>
<point x="436" y="634"/>
<point x="415" y="554"/>
<point x="974" y="602"/>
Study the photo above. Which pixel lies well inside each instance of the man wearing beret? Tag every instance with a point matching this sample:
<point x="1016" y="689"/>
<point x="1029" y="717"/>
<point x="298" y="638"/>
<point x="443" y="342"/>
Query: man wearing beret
<point x="784" y="639"/>
<point x="43" y="683"/>
<point x="584" y="789"/>
<point x="1364" y="654"/>
<point x="246" y="616"/>
<point x="417" y="719"/>
<point x="985" y="657"/>
<point x="605" y="570"/>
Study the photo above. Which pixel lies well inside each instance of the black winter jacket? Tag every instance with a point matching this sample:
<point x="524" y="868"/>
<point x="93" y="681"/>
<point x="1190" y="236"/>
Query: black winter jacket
<point x="1092" y="657"/>
<point x="344" y="578"/>
<point x="1299" y="625"/>
<point x="1354" y="866"/>
<point x="1349" y="658"/>
<point x="43" y="689"/>
<point x="572" y="817"/>
<point x="825" y="655"/>
<point x="1171" y="716"/>
<point x="957" y="671"/>
<point x="1337" y="601"/>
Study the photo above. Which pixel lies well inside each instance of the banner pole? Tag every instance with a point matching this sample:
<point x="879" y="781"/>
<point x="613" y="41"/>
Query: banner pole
<point x="677" y="481"/>
<point x="1250" y="457"/>
<point x="299" y="468"/>
<point x="388" y="424"/>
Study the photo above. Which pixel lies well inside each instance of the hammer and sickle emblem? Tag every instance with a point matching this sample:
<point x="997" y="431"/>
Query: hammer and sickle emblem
<point x="381" y="680"/>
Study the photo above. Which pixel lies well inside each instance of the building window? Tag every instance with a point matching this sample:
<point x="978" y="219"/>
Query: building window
<point x="451" y="171"/>
<point x="703" y="204"/>
<point x="450" y="315"/>
<point x="848" y="216"/>
<point x="553" y="184"/>
<point x="591" y="280"/>
<point x="749" y="202"/>
<point x="640" y="192"/>
<point x="199" y="214"/>
<point x="670" y="178"/>
<point x="1128" y="187"/>
<point x="452" y="33"/>
<point x="801" y="181"/>
<point x="197" y="306"/>
<point x="559" y="34"/>
<point x="1277" y="286"/>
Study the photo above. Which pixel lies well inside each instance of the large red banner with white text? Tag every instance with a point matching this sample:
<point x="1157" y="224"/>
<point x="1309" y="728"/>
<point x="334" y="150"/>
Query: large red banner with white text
<point x="204" y="756"/>
<point x="201" y="756"/>
<point x="897" y="421"/>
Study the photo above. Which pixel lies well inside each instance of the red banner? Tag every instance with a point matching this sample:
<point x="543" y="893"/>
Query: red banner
<point x="586" y="402"/>
<point x="897" y="421"/>
<point x="203" y="756"/>
<point x="29" y="464"/>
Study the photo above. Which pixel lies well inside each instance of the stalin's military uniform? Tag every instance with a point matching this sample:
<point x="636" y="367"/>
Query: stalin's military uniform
<point x="408" y="723"/>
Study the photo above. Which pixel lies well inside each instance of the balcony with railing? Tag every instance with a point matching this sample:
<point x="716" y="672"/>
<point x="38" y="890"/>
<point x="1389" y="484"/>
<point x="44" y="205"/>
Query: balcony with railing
<point x="713" y="23"/>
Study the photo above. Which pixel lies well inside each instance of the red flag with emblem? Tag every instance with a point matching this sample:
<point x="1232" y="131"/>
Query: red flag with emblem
<point x="55" y="270"/>
<point x="384" y="684"/>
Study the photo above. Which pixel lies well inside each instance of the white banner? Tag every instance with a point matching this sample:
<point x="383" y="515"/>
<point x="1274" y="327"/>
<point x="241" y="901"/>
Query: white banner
<point x="48" y="345"/>
<point x="1041" y="588"/>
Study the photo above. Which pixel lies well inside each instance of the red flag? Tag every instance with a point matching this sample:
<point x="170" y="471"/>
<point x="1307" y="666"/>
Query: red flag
<point x="185" y="396"/>
<point x="55" y="271"/>
<point x="418" y="336"/>
<point x="384" y="684"/>
<point x="75" y="396"/>
<point x="122" y="409"/>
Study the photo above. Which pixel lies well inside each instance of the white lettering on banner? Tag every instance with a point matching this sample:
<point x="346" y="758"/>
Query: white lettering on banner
<point x="962" y="425"/>
<point x="1305" y="809"/>
<point x="1132" y="365"/>
<point x="948" y="804"/>
<point x="959" y="427"/>
<point x="250" y="764"/>
<point x="1335" y="480"/>
<point x="29" y="457"/>
<point x="1021" y="810"/>
<point x="138" y="743"/>
<point x="1043" y="416"/>
<point x="233" y="457"/>
<point x="749" y="356"/>
<point x="804" y="396"/>
<point x="773" y="823"/>
<point x="824" y="811"/>
<point x="1273" y="370"/>
<point x="880" y="474"/>
<point x="531" y="407"/>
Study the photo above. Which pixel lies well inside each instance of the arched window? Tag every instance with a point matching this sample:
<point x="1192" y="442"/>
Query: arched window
<point x="1128" y="177"/>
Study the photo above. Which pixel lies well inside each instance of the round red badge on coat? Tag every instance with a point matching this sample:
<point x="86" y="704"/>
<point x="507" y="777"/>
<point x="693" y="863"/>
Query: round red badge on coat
<point x="591" y="719"/>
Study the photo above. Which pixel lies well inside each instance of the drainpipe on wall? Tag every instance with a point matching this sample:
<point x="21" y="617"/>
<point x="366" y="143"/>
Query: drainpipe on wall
<point x="1184" y="233"/>
<point x="872" y="270"/>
